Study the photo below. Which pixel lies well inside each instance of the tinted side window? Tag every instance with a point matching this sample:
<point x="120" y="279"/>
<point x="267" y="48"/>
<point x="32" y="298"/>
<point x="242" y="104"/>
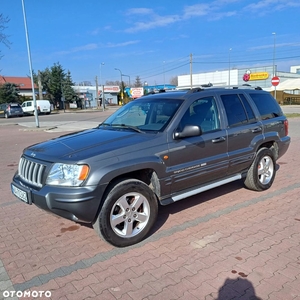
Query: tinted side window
<point x="235" y="110"/>
<point x="204" y="113"/>
<point x="249" y="111"/>
<point x="266" y="105"/>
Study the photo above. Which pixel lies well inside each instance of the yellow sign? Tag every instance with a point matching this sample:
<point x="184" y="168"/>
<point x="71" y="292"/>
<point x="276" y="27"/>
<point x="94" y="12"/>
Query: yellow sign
<point x="259" y="76"/>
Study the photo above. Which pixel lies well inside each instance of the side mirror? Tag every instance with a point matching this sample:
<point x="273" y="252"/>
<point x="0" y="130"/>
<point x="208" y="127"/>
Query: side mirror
<point x="188" y="131"/>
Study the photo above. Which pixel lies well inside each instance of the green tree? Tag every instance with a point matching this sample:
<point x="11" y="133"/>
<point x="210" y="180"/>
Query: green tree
<point x="56" y="80"/>
<point x="137" y="82"/>
<point x="9" y="92"/>
<point x="68" y="92"/>
<point x="45" y="82"/>
<point x="56" y="85"/>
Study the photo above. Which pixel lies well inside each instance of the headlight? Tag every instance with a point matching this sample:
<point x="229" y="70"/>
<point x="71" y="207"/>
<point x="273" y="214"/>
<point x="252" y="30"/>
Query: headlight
<point x="67" y="175"/>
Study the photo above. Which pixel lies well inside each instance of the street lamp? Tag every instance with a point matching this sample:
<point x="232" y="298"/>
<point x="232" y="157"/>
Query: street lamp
<point x="164" y="77"/>
<point x="229" y="67"/>
<point x="121" y="83"/>
<point x="274" y="68"/>
<point x="128" y="77"/>
<point x="102" y="64"/>
<point x="30" y="67"/>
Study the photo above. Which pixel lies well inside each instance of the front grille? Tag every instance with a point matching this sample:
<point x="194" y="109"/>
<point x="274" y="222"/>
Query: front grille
<point x="31" y="171"/>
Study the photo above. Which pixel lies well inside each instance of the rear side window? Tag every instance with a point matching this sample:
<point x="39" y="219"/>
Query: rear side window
<point x="238" y="110"/>
<point x="266" y="105"/>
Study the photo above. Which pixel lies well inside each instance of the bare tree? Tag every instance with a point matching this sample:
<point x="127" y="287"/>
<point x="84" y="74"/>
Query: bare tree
<point x="174" y="80"/>
<point x="3" y="37"/>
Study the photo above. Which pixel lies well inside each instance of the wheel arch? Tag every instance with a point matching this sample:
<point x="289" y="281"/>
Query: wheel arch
<point x="146" y="175"/>
<point x="273" y="146"/>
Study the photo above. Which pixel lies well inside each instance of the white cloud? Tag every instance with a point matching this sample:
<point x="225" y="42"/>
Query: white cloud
<point x="146" y="18"/>
<point x="267" y="6"/>
<point x="124" y="44"/>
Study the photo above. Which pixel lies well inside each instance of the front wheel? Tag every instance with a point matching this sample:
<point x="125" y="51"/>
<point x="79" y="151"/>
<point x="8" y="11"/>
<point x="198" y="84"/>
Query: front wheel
<point x="262" y="172"/>
<point x="127" y="214"/>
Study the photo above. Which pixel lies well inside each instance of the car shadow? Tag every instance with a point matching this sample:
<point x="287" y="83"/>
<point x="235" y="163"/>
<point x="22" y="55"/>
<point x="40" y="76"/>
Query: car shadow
<point x="165" y="211"/>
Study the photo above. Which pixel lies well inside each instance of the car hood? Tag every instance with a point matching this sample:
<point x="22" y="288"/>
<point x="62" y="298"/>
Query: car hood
<point x="89" y="143"/>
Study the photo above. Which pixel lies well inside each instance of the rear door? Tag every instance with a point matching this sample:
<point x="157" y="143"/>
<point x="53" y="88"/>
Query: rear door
<point x="243" y="130"/>
<point x="199" y="159"/>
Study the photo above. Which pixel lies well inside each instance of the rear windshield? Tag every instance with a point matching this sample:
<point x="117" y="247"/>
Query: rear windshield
<point x="266" y="105"/>
<point x="14" y="105"/>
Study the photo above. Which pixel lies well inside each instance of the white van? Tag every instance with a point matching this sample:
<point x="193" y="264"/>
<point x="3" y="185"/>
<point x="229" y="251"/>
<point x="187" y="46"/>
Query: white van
<point x="43" y="106"/>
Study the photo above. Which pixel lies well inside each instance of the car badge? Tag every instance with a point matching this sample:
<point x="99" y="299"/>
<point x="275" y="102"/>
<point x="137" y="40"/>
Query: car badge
<point x="32" y="154"/>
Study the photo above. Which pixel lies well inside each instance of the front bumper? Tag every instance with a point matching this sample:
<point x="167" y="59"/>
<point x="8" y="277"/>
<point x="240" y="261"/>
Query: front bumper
<point x="80" y="204"/>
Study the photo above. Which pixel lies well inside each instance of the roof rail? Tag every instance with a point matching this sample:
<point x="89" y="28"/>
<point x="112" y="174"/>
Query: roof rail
<point x="200" y="88"/>
<point x="243" y="86"/>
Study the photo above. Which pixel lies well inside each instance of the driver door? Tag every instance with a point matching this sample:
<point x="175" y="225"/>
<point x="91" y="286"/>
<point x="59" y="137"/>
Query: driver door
<point x="196" y="160"/>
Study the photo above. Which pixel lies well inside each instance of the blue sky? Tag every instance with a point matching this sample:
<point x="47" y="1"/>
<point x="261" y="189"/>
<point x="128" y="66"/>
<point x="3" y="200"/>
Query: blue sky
<point x="149" y="39"/>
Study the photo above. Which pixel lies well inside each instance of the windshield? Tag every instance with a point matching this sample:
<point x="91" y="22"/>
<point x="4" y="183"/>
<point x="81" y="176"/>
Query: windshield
<point x="144" y="115"/>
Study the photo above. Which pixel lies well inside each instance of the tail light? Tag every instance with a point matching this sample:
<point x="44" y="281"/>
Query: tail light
<point x="286" y="127"/>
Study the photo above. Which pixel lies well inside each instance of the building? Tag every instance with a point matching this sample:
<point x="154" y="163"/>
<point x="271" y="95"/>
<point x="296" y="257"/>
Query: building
<point x="255" y="76"/>
<point x="23" y="83"/>
<point x="91" y="100"/>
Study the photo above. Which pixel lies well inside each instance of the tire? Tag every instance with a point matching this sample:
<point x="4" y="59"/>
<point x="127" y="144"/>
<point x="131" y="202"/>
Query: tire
<point x="127" y="214"/>
<point x="262" y="172"/>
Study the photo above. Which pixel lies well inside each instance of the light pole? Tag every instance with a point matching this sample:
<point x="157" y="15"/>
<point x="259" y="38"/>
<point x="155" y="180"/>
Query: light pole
<point x="229" y="67"/>
<point x="30" y="67"/>
<point x="274" y="55"/>
<point x="121" y="84"/>
<point x="128" y="77"/>
<point x="102" y="64"/>
<point x="164" y="77"/>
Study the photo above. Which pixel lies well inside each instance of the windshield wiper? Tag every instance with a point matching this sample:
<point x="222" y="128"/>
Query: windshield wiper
<point x="105" y="124"/>
<point x="127" y="126"/>
<point x="122" y="126"/>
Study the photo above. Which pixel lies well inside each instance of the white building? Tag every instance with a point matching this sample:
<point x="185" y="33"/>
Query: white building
<point x="88" y="94"/>
<point x="256" y="76"/>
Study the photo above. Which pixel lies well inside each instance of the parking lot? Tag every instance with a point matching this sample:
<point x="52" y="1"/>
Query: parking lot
<point x="226" y="243"/>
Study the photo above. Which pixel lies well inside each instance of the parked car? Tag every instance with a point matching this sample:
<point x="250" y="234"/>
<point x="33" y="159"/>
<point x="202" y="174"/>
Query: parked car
<point x="157" y="149"/>
<point x="43" y="107"/>
<point x="8" y="110"/>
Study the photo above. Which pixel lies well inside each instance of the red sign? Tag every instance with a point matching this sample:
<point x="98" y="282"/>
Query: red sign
<point x="275" y="80"/>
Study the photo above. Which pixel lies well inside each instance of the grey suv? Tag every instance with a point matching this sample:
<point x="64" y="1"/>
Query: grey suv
<point x="155" y="150"/>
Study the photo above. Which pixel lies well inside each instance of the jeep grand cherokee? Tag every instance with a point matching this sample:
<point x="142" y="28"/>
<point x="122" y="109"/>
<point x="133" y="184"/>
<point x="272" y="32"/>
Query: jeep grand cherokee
<point x="157" y="149"/>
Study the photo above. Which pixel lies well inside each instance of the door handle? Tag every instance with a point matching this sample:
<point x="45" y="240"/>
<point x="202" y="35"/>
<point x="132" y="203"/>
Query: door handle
<point x="256" y="129"/>
<point x="219" y="140"/>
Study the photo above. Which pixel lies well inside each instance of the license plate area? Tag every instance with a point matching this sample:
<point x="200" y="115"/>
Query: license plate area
<point x="21" y="194"/>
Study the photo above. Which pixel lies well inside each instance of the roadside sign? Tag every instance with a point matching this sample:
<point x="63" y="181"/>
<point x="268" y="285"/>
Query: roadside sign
<point x="137" y="92"/>
<point x="275" y="80"/>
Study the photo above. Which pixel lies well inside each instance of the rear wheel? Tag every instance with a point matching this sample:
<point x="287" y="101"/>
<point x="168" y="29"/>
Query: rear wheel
<point x="262" y="172"/>
<point x="128" y="213"/>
